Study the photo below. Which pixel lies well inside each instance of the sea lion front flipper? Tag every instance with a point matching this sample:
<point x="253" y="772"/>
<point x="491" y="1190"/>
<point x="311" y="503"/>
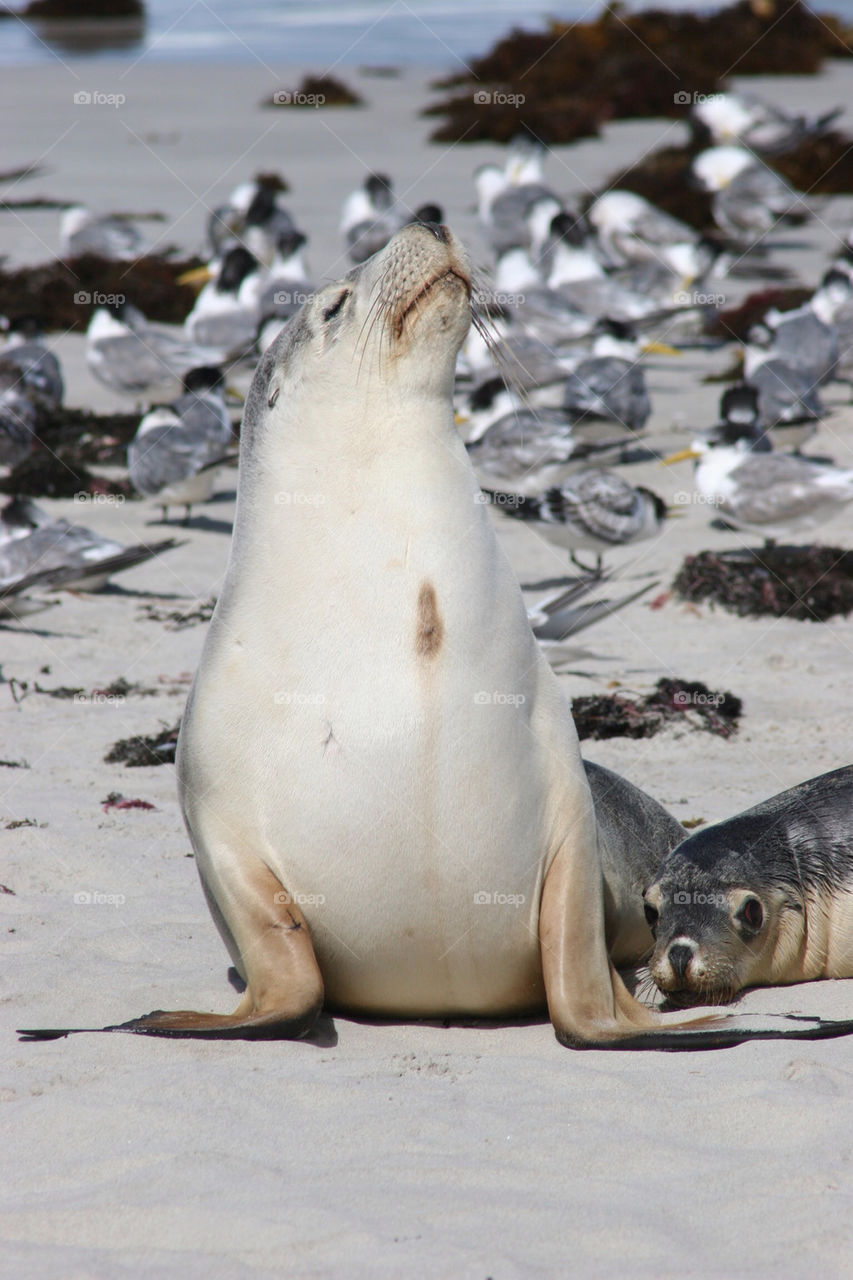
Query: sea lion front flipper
<point x="284" y="986"/>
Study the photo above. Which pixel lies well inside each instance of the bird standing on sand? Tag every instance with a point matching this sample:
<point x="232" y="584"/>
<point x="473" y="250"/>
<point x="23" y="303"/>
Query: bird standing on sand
<point x="82" y="231"/>
<point x="594" y="510"/>
<point x="135" y="358"/>
<point x="40" y="370"/>
<point x="225" y="317"/>
<point x="174" y="453"/>
<point x="36" y="548"/>
<point x="749" y="199"/>
<point x="370" y="218"/>
<point x="753" y="487"/>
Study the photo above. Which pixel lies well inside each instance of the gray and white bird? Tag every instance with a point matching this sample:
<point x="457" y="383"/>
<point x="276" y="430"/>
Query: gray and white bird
<point x="18" y="416"/>
<point x="135" y="358"/>
<point x="225" y="317"/>
<point x="747" y="120"/>
<point x="36" y="549"/>
<point x="265" y="221"/>
<point x="370" y="218"/>
<point x="787" y="396"/>
<point x="527" y="450"/>
<point x="609" y="384"/>
<point x="39" y="368"/>
<point x="506" y="199"/>
<point x="174" y="455"/>
<point x="749" y="199"/>
<point x="631" y="229"/>
<point x="577" y="274"/>
<point x="81" y="231"/>
<point x="755" y="488"/>
<point x="286" y="289"/>
<point x="594" y="510"/>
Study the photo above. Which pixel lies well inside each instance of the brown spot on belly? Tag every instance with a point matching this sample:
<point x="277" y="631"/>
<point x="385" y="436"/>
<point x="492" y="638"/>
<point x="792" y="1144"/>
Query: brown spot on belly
<point x="430" y="629"/>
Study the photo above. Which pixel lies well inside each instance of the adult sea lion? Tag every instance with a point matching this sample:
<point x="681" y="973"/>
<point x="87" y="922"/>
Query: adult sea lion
<point x="379" y="774"/>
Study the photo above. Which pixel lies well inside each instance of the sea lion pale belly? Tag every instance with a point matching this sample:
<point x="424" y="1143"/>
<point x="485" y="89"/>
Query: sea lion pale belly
<point x="763" y="898"/>
<point x="379" y="775"/>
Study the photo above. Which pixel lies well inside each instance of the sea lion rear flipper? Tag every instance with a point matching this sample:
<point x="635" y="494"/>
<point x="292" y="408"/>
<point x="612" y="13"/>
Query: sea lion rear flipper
<point x="284" y="991"/>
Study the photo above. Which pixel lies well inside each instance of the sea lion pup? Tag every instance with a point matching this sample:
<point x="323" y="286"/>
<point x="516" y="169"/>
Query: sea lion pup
<point x="761" y="899"/>
<point x="380" y="777"/>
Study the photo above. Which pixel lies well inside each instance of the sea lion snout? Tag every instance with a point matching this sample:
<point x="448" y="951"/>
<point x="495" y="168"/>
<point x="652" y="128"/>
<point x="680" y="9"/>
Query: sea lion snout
<point x="679" y="957"/>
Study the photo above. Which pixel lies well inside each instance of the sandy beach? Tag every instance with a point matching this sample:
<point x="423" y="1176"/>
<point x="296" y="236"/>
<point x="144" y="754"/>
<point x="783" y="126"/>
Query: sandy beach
<point x="377" y="1149"/>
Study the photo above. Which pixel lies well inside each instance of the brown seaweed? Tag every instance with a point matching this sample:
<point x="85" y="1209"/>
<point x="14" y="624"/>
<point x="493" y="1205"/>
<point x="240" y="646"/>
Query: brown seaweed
<point x="809" y="583"/>
<point x="565" y="82"/>
<point x="684" y="702"/>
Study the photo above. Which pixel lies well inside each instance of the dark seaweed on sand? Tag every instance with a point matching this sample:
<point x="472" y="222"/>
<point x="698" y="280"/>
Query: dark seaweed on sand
<point x="62" y="294"/>
<point x="685" y="702"/>
<point x="574" y="78"/>
<point x="320" y="91"/>
<point x="45" y="474"/>
<point x="806" y="583"/>
<point x="142" y="751"/>
<point x="734" y="323"/>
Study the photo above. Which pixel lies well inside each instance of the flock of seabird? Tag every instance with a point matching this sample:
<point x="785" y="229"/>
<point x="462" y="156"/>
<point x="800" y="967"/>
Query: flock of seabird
<point x="551" y="393"/>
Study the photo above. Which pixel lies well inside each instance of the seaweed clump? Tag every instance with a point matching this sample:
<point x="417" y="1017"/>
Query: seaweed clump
<point x="316" y="91"/>
<point x="734" y="323"/>
<point x="65" y="294"/>
<point x="685" y="702"/>
<point x="140" y="751"/>
<point x="809" y="583"/>
<point x="565" y="82"/>
<point x="49" y="475"/>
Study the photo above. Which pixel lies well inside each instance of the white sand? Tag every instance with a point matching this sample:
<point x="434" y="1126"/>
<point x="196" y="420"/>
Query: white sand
<point x="377" y="1150"/>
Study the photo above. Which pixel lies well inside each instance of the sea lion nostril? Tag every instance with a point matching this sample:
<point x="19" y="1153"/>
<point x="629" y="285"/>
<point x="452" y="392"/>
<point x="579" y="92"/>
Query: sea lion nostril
<point x="679" y="957"/>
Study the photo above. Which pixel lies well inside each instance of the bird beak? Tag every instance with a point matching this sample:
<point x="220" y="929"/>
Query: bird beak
<point x="682" y="456"/>
<point x="460" y="419"/>
<point x="674" y="513"/>
<point x="659" y="349"/>
<point x="196" y="276"/>
<point x="234" y="396"/>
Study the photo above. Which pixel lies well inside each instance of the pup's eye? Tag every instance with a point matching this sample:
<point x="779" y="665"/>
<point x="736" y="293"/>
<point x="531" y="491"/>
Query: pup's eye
<point x="751" y="913"/>
<point x="333" y="310"/>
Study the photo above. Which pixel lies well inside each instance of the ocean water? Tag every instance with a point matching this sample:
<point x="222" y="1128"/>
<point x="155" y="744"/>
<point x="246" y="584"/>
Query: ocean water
<point x="319" y="34"/>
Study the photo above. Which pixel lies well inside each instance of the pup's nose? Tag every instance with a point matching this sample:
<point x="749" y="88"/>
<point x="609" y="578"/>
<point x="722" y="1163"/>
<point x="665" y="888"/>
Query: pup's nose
<point x="679" y="957"/>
